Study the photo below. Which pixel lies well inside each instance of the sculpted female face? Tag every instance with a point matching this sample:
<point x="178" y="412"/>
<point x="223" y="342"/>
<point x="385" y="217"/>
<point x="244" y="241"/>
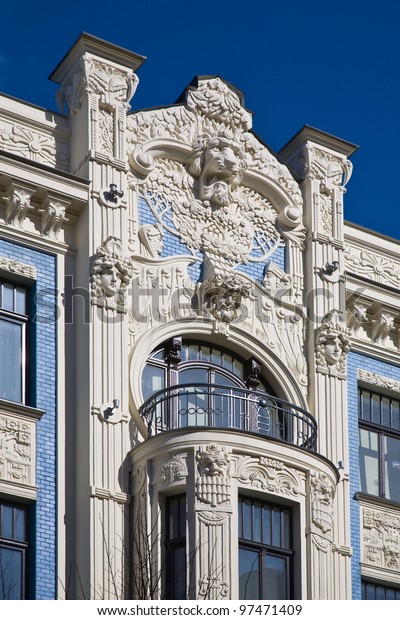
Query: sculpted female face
<point x="110" y="281"/>
<point x="333" y="349"/>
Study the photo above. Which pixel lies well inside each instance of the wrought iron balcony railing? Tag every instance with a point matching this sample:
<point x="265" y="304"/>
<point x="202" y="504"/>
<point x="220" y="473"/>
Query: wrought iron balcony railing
<point x="218" y="406"/>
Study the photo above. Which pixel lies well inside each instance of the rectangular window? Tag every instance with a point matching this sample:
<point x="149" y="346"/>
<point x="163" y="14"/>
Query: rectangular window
<point x="265" y="551"/>
<point x="379" y="450"/>
<point x="13" y="549"/>
<point x="13" y="321"/>
<point x="376" y="592"/>
<point x="175" y="542"/>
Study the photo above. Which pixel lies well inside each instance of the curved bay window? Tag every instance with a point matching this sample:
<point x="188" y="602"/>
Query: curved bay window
<point x="194" y="384"/>
<point x="265" y="551"/>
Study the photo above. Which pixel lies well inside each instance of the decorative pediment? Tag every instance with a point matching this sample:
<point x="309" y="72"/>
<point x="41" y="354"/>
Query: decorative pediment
<point x="210" y="182"/>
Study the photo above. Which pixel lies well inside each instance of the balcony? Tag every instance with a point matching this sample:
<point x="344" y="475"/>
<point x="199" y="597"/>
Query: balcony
<point x="221" y="407"/>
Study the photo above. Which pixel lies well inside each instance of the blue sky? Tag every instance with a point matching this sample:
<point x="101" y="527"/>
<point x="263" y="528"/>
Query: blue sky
<point x="332" y="65"/>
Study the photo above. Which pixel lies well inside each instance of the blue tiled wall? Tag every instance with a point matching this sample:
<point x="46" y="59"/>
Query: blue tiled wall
<point x="174" y="247"/>
<point x="355" y="361"/>
<point x="43" y="378"/>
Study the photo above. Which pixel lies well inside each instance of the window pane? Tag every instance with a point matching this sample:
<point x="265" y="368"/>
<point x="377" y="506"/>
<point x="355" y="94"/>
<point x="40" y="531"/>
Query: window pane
<point x="11" y="335"/>
<point x="249" y="574"/>
<point x="19" y="524"/>
<point x="369" y="462"/>
<point x="376" y="409"/>
<point x="392" y="469"/>
<point x="257" y="522"/>
<point x="275" y="578"/>
<point x="276" y="528"/>
<point x="152" y="380"/>
<point x="365" y="406"/>
<point x="6" y="522"/>
<point x="178" y="574"/>
<point x="285" y="522"/>
<point x="20" y="301"/>
<point x="11" y="571"/>
<point x="247" y="534"/>
<point x="395" y="415"/>
<point x="267" y="525"/>
<point x="8" y="297"/>
<point x="385" y="404"/>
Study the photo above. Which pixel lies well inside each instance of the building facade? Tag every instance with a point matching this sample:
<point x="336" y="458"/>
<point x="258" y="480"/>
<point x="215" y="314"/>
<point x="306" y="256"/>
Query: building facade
<point x="200" y="382"/>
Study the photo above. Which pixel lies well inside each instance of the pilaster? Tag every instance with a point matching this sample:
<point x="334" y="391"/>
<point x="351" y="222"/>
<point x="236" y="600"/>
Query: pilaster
<point x="321" y="161"/>
<point x="97" y="82"/>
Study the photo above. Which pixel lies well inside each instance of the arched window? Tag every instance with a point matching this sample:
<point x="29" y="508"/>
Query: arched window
<point x="190" y="362"/>
<point x="188" y="383"/>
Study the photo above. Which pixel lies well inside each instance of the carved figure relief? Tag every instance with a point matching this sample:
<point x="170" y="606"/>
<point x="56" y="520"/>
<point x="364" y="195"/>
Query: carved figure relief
<point x="332" y="345"/>
<point x="322" y="495"/>
<point x="381" y="539"/>
<point x="16" y="451"/>
<point x="111" y="273"/>
<point x="213" y="484"/>
<point x="151" y="239"/>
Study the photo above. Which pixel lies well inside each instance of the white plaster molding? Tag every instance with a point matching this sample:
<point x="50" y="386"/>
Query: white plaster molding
<point x="213" y="485"/>
<point x="106" y="494"/>
<point x="381" y="538"/>
<point x="53" y="217"/>
<point x="374" y="265"/>
<point x="332" y="346"/>
<point x="14" y="267"/>
<point x="379" y="381"/>
<point x="269" y="475"/>
<point x="38" y="146"/>
<point x="18" y="449"/>
<point x="111" y="274"/>
<point x="322" y="496"/>
<point x="173" y="469"/>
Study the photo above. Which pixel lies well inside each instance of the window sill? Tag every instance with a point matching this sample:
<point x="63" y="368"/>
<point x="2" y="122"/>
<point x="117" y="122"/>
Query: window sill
<point x="31" y="413"/>
<point x="378" y="502"/>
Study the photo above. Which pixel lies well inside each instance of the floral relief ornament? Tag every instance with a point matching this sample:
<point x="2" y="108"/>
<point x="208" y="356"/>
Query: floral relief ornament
<point x="38" y="147"/>
<point x="111" y="274"/>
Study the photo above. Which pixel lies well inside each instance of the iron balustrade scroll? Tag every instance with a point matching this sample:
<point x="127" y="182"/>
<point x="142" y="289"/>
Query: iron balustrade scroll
<point x="219" y="406"/>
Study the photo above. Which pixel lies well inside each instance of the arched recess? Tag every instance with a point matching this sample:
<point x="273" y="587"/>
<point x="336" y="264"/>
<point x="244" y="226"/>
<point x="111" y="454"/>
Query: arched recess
<point x="240" y="343"/>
